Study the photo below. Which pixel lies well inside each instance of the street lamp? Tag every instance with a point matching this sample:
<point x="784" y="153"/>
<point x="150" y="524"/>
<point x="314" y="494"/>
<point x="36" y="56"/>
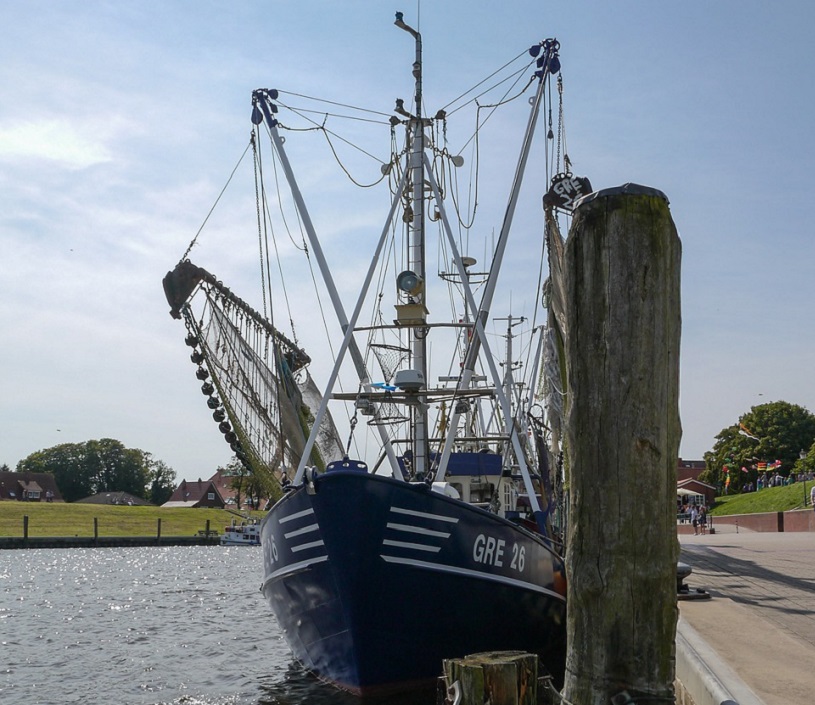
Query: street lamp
<point x="802" y="455"/>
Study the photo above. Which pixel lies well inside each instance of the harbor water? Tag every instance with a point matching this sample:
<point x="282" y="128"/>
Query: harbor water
<point x="147" y="626"/>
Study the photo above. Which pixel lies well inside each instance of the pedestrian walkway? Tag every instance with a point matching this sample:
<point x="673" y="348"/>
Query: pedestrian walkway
<point x="760" y="619"/>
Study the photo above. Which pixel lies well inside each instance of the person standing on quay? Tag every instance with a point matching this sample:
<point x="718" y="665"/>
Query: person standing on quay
<point x="812" y="497"/>
<point x="694" y="518"/>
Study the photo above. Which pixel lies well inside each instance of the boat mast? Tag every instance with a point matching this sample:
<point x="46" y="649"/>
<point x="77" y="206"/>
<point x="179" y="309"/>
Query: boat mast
<point x="490" y="361"/>
<point x="261" y="99"/>
<point x="509" y="377"/>
<point x="416" y="250"/>
<point x="550" y="64"/>
<point x="533" y="375"/>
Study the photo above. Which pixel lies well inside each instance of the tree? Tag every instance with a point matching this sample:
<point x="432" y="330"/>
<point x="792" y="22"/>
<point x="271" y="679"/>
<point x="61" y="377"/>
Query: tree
<point x="105" y="465"/>
<point x="161" y="481"/>
<point x="807" y="463"/>
<point x="773" y="433"/>
<point x="255" y="490"/>
<point x="120" y="469"/>
<point x="68" y="464"/>
<point x="238" y="474"/>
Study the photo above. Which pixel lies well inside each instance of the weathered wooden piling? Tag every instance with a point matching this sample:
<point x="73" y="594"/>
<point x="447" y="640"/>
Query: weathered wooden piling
<point x="622" y="276"/>
<point x="497" y="677"/>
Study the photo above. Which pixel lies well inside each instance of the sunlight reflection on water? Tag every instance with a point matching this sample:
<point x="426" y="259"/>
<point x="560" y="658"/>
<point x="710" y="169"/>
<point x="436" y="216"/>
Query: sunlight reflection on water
<point x="147" y="626"/>
<point x="136" y="625"/>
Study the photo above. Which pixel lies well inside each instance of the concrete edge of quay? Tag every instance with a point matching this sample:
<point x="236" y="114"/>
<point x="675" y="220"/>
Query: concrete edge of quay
<point x="106" y="541"/>
<point x="704" y="676"/>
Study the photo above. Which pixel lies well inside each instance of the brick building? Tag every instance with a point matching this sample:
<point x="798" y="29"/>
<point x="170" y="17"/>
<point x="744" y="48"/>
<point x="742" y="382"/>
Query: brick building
<point x="29" y="487"/>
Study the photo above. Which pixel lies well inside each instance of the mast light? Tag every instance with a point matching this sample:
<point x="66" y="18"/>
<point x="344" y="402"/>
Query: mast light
<point x="410" y="283"/>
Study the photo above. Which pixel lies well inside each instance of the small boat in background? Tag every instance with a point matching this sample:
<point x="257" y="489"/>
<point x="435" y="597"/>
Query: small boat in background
<point x="247" y="533"/>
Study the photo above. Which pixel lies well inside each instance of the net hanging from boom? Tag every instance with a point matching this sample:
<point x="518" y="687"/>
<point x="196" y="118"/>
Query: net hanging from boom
<point x="260" y="391"/>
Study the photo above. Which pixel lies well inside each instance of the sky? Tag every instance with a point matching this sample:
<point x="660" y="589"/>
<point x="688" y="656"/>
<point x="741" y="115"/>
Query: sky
<point x="121" y="122"/>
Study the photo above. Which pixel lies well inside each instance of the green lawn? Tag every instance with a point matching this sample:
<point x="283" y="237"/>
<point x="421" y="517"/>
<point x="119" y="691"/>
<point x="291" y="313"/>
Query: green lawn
<point x="771" y="499"/>
<point x="61" y="519"/>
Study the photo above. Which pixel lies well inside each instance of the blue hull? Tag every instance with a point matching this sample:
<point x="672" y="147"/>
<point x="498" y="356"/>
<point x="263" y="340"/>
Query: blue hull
<point x="375" y="582"/>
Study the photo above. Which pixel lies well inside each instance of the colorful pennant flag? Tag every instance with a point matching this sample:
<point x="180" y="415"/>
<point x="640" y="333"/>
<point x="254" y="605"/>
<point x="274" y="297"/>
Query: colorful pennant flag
<point x="744" y="431"/>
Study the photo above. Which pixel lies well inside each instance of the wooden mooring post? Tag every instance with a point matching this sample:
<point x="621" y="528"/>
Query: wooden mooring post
<point x="496" y="677"/>
<point x="622" y="282"/>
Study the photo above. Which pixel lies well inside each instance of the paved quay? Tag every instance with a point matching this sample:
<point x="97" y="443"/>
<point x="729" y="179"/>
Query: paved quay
<point x="758" y="628"/>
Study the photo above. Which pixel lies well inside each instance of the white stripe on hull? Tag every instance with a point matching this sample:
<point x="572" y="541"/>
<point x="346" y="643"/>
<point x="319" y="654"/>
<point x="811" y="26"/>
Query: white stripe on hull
<point x="466" y="572"/>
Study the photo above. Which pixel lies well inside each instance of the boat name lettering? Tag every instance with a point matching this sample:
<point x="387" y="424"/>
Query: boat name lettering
<point x="271" y="548"/>
<point x="488" y="549"/>
<point x="518" y="557"/>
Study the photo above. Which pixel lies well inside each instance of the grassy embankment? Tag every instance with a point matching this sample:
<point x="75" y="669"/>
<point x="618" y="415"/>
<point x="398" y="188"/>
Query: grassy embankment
<point x="771" y="499"/>
<point x="61" y="519"/>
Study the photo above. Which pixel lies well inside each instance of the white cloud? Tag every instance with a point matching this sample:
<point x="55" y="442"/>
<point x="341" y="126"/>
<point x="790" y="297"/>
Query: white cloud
<point x="119" y="125"/>
<point x="70" y="145"/>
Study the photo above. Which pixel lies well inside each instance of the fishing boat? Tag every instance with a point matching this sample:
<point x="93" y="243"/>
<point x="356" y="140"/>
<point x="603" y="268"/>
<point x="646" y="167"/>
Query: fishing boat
<point x="445" y="540"/>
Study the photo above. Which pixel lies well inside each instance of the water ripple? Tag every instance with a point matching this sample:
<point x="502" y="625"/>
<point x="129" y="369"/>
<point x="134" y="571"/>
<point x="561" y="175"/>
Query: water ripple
<point x="146" y="626"/>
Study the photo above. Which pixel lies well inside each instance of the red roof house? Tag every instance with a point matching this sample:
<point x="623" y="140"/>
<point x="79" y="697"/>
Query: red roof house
<point x="697" y="487"/>
<point x="202" y="493"/>
<point x="29" y="487"/>
<point x="224" y="482"/>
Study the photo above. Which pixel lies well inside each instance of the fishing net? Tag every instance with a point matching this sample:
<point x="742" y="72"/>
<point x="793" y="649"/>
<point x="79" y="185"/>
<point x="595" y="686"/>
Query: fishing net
<point x="390" y="359"/>
<point x="260" y="392"/>
<point x="553" y="383"/>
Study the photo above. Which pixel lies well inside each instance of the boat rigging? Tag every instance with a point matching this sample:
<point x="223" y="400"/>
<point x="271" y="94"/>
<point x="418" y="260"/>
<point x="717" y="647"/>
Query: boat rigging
<point x="459" y="503"/>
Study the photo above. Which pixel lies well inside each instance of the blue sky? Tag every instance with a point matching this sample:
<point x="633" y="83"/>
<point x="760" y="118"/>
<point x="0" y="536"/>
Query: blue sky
<point x="120" y="123"/>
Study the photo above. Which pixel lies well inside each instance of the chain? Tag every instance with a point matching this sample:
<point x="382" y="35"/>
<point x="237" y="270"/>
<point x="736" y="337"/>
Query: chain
<point x="559" y="120"/>
<point x="351" y="435"/>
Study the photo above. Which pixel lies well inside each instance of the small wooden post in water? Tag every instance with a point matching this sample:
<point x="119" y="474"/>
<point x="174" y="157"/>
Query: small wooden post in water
<point x="622" y="274"/>
<point x="95" y="530"/>
<point x="498" y="677"/>
<point x="25" y="527"/>
<point x="207" y="533"/>
<point x="158" y="530"/>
